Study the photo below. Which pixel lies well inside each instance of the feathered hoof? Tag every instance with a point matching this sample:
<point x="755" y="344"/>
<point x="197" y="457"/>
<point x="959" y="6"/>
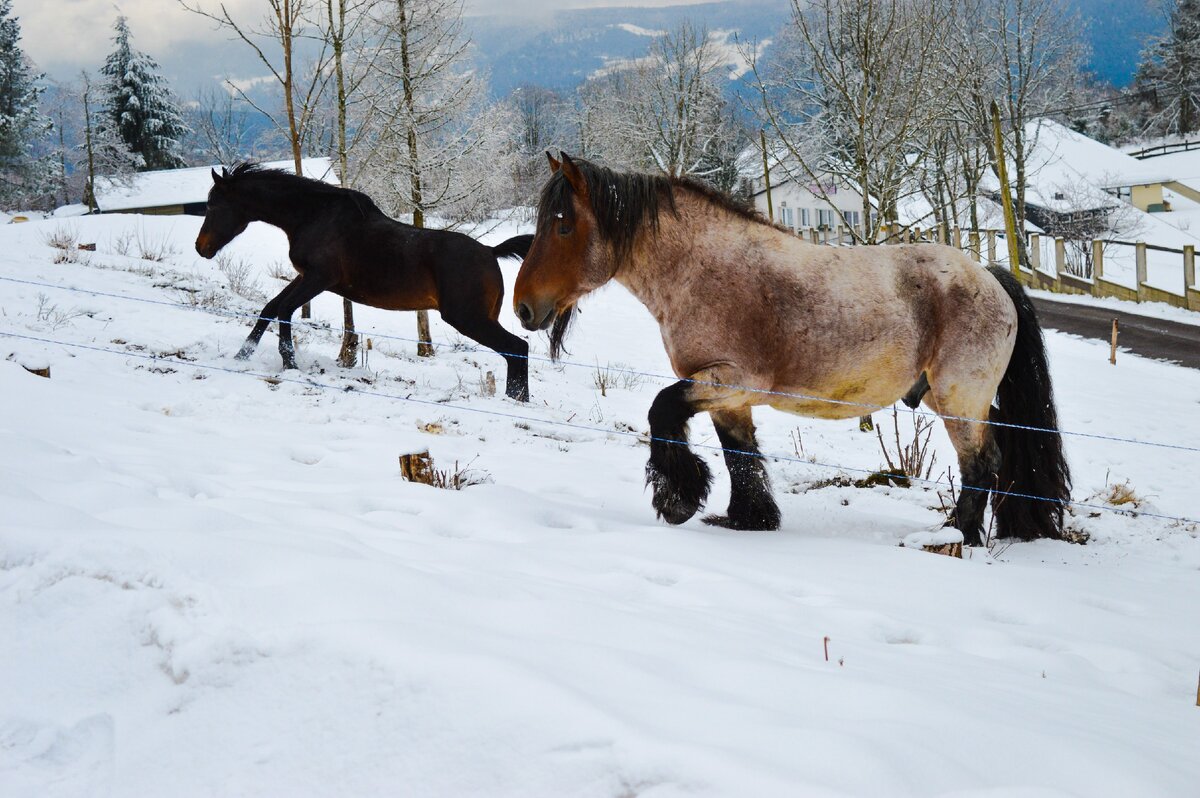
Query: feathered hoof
<point x="675" y="501"/>
<point x="518" y="392"/>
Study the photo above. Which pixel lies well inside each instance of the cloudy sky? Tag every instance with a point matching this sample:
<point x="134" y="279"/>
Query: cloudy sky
<point x="63" y="36"/>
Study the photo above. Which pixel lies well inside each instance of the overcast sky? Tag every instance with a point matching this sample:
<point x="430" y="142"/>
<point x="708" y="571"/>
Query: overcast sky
<point x="62" y="36"/>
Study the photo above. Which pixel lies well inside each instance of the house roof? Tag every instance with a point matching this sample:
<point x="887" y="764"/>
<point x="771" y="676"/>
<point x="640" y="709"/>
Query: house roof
<point x="183" y="186"/>
<point x="1067" y="171"/>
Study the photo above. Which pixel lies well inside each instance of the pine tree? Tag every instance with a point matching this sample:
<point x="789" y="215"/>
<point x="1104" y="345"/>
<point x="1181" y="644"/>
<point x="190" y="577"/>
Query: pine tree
<point x="140" y="106"/>
<point x="25" y="178"/>
<point x="1170" y="73"/>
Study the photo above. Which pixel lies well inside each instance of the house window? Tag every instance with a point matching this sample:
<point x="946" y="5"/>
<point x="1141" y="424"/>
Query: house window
<point x="804" y="217"/>
<point x="851" y="218"/>
<point x="824" y="218"/>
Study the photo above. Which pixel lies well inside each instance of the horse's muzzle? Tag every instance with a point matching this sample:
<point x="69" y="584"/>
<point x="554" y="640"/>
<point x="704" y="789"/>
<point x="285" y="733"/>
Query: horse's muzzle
<point x="532" y="319"/>
<point x="204" y="247"/>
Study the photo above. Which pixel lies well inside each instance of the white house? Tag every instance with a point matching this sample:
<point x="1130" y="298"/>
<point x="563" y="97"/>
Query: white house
<point x="181" y="191"/>
<point x="800" y="204"/>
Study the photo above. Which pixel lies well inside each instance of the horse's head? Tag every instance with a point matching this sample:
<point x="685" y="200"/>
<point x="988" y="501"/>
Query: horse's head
<point x="567" y="258"/>
<point x="223" y="220"/>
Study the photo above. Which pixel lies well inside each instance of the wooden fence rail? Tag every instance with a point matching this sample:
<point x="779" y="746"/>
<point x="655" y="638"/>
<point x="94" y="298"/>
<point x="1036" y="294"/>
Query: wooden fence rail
<point x="981" y="245"/>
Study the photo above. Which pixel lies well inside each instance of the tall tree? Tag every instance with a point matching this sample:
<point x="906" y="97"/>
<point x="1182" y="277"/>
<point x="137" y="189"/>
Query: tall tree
<point x="102" y="153"/>
<point x="1036" y="52"/>
<point x="277" y="40"/>
<point x="434" y="144"/>
<point x="24" y="177"/>
<point x="852" y="93"/>
<point x="1170" y="71"/>
<point x="141" y="107"/>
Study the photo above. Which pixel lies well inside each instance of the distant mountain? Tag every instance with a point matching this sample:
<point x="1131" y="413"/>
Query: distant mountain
<point x="561" y="48"/>
<point x="1117" y="30"/>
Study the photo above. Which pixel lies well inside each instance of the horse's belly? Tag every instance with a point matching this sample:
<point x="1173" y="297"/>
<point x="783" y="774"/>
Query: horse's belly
<point x="850" y="398"/>
<point x="818" y="408"/>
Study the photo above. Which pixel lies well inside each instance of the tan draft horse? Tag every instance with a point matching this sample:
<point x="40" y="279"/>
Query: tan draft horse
<point x="752" y="315"/>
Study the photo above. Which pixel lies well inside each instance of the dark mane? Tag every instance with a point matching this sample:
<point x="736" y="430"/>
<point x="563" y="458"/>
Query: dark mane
<point x="283" y="180"/>
<point x="622" y="202"/>
<point x="715" y="196"/>
<point x="626" y="202"/>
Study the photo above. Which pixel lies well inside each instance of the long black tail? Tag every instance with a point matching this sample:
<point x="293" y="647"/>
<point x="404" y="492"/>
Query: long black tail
<point x="515" y="247"/>
<point x="1031" y="462"/>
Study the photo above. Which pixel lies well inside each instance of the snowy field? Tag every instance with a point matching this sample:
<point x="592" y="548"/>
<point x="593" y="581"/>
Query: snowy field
<point x="213" y="580"/>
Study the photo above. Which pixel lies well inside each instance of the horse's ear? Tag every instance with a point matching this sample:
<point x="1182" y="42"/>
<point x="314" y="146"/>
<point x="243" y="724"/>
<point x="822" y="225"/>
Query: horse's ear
<point x="218" y="179"/>
<point x="554" y="165"/>
<point x="574" y="176"/>
<point x="224" y="171"/>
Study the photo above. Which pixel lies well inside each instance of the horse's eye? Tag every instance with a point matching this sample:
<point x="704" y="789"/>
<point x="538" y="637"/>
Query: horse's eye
<point x="564" y="229"/>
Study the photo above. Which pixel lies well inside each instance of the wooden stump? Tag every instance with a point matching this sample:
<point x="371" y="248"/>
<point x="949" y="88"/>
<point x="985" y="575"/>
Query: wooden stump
<point x="947" y="541"/>
<point x="948" y="549"/>
<point x="417" y="467"/>
<point x="489" y="384"/>
<point x="41" y="372"/>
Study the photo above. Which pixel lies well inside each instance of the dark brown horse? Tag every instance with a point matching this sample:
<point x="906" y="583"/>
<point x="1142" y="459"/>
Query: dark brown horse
<point x="751" y="315"/>
<point x="340" y="241"/>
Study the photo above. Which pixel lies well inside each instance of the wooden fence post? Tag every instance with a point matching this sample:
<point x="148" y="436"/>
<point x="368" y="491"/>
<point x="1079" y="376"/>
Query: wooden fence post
<point x="991" y="239"/>
<point x="973" y="237"/>
<point x="1140" y="257"/>
<point x="1060" y="256"/>
<point x="816" y="236"/>
<point x="1189" y="267"/>
<point x="1035" y="251"/>
<point x="956" y="237"/>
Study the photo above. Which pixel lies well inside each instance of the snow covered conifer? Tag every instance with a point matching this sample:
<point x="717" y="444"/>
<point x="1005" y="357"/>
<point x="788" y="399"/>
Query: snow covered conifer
<point x="140" y="106"/>
<point x="1170" y="72"/>
<point x="24" y="176"/>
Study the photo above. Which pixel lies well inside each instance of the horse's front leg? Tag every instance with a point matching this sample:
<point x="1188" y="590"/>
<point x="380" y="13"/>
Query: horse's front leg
<point x="305" y="289"/>
<point x="679" y="479"/>
<point x="265" y="317"/>
<point x="751" y="506"/>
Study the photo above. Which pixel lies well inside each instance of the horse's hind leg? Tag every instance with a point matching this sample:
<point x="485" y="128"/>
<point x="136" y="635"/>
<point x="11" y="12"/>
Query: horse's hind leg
<point x="679" y="479"/>
<point x="751" y="506"/>
<point x="514" y="350"/>
<point x="978" y="464"/>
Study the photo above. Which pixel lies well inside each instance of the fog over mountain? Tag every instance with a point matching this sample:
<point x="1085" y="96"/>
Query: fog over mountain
<point x="561" y="48"/>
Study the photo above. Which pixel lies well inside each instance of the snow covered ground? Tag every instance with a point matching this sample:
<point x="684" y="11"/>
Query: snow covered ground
<point x="214" y="582"/>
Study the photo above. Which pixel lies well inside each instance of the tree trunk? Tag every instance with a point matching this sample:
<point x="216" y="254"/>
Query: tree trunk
<point x="348" y="355"/>
<point x="424" y="339"/>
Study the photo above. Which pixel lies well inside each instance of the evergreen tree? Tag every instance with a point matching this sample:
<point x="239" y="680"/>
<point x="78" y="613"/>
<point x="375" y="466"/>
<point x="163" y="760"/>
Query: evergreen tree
<point x="1169" y="75"/>
<point x="25" y="178"/>
<point x="140" y="106"/>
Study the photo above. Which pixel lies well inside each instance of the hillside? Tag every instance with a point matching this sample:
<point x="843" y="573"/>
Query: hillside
<point x="214" y="582"/>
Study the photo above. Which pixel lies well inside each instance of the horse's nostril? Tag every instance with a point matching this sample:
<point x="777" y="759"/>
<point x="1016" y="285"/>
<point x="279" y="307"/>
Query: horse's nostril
<point x="524" y="313"/>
